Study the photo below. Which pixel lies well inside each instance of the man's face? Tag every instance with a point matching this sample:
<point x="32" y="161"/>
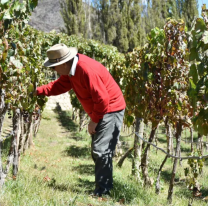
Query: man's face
<point x="62" y="69"/>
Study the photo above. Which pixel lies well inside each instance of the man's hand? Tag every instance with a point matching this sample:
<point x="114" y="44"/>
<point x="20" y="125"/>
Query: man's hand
<point x="91" y="127"/>
<point x="32" y="94"/>
<point x="35" y="93"/>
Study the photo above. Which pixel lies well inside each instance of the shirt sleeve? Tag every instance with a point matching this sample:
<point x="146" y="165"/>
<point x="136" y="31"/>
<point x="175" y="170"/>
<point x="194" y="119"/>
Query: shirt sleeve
<point x="56" y="87"/>
<point x="99" y="94"/>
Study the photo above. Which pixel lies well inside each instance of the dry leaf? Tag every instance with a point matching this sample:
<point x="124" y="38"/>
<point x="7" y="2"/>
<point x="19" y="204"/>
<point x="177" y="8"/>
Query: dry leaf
<point x="205" y="198"/>
<point x="102" y="199"/>
<point x="197" y="194"/>
<point x="46" y="178"/>
<point x="122" y="201"/>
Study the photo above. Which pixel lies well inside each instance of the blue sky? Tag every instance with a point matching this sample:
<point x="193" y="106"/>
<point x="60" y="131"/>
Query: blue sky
<point x="201" y="2"/>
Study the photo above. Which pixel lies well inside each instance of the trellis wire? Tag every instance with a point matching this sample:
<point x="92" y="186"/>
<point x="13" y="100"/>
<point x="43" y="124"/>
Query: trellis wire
<point x="169" y="155"/>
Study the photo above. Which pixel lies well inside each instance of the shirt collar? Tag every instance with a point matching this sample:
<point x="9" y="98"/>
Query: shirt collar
<point x="74" y="65"/>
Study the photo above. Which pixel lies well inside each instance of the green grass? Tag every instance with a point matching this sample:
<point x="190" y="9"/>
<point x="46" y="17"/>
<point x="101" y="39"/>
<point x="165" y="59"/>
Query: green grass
<point x="62" y="154"/>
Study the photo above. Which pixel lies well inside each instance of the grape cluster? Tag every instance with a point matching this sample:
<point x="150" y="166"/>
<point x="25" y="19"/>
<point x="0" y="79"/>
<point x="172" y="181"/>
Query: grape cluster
<point x="26" y="117"/>
<point x="195" y="168"/>
<point x="9" y="114"/>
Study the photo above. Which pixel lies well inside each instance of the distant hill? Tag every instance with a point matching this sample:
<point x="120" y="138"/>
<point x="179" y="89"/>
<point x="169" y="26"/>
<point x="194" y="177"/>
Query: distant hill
<point x="46" y="16"/>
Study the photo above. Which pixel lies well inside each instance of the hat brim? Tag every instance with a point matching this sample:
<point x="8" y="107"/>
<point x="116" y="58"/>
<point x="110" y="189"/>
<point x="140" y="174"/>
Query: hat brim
<point x="73" y="53"/>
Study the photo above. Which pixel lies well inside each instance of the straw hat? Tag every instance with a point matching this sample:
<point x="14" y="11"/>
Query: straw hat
<point x="59" y="54"/>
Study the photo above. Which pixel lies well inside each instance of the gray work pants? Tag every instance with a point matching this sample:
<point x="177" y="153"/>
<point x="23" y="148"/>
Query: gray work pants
<point x="103" y="147"/>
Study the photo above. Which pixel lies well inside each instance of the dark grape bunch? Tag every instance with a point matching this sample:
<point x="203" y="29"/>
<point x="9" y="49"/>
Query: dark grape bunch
<point x="26" y="116"/>
<point x="9" y="114"/>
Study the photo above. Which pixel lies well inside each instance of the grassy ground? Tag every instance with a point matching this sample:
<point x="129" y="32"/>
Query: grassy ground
<point x="59" y="171"/>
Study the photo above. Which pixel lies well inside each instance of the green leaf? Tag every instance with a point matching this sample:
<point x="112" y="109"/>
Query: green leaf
<point x="149" y="56"/>
<point x="193" y="73"/>
<point x="193" y="54"/>
<point x="33" y="4"/>
<point x="16" y="63"/>
<point x="206" y="53"/>
<point x="7" y="15"/>
<point x="192" y="93"/>
<point x="205" y="37"/>
<point x="169" y="45"/>
<point x="200" y="24"/>
<point x="40" y="102"/>
<point x="16" y="6"/>
<point x="4" y="56"/>
<point x="150" y="76"/>
<point x="10" y="52"/>
<point x="176" y="85"/>
<point x="130" y="120"/>
<point x="24" y="104"/>
<point x="193" y="86"/>
<point x="186" y="170"/>
<point x="179" y="106"/>
<point x="30" y="88"/>
<point x="198" y="36"/>
<point x="201" y="69"/>
<point x="13" y="45"/>
<point x="4" y="1"/>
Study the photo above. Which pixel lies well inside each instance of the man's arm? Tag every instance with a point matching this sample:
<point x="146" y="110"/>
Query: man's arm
<point x="56" y="87"/>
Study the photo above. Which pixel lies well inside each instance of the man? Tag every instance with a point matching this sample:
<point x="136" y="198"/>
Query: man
<point x="100" y="97"/>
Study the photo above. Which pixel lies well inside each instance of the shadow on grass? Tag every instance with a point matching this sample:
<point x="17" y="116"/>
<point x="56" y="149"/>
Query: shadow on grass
<point x="60" y="187"/>
<point x="185" y="149"/>
<point x="75" y="151"/>
<point x="65" y="119"/>
<point x="162" y="140"/>
<point x="125" y="190"/>
<point x="180" y="184"/>
<point x="120" y="190"/>
<point x="185" y="192"/>
<point x="204" y="192"/>
<point x="166" y="176"/>
<point x="84" y="185"/>
<point x="85" y="169"/>
<point x="76" y="138"/>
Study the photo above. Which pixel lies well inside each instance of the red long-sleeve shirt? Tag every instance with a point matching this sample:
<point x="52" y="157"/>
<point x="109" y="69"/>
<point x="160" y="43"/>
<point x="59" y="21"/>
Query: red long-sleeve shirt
<point x="95" y="88"/>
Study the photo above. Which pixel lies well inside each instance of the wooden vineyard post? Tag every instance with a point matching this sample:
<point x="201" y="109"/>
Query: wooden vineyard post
<point x="137" y="148"/>
<point x="178" y="142"/>
<point x="144" y="160"/>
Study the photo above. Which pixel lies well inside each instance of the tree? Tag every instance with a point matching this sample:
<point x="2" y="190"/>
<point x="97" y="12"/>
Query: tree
<point x="123" y="23"/>
<point x="135" y="25"/>
<point x="114" y="19"/>
<point x="189" y="11"/>
<point x="116" y="22"/>
<point x="158" y="11"/>
<point x="74" y="17"/>
<point x="125" y="29"/>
